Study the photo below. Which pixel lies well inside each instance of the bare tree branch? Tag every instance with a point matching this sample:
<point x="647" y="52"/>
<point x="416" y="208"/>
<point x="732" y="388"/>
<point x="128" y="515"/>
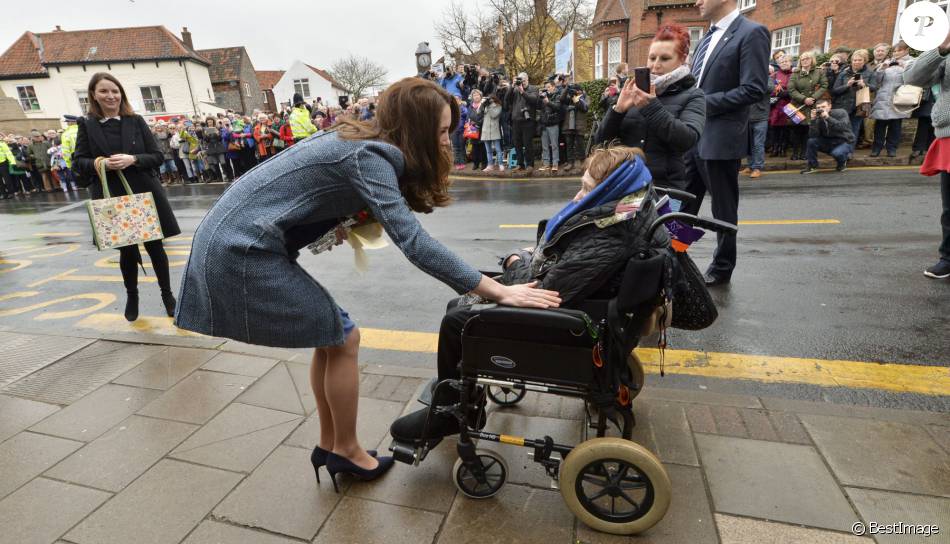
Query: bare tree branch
<point x="357" y="74"/>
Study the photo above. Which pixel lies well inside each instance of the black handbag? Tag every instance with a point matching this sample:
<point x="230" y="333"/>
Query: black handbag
<point x="693" y="306"/>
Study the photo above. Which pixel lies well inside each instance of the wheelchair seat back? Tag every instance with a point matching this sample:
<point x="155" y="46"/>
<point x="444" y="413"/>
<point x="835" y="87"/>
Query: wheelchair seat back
<point x="538" y="346"/>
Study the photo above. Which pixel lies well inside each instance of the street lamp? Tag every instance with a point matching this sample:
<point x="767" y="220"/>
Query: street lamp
<point x="423" y="58"/>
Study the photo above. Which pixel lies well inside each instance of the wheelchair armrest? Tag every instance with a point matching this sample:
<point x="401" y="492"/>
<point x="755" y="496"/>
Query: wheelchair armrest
<point x="551" y="318"/>
<point x="491" y="273"/>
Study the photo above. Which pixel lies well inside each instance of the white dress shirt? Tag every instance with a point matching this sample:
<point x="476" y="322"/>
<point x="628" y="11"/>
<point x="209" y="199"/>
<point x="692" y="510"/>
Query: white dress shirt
<point x="104" y="119"/>
<point x="721" y="26"/>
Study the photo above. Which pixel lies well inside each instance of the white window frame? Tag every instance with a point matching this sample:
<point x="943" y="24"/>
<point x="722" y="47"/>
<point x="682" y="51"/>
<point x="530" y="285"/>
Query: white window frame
<point x="153" y="104"/>
<point x="745" y="5"/>
<point x="82" y="95"/>
<point x="598" y="60"/>
<point x="788" y="39"/>
<point x="247" y="89"/>
<point x="829" y="24"/>
<point x="302" y="87"/>
<point x="696" y="34"/>
<point x="611" y="62"/>
<point x="26" y="95"/>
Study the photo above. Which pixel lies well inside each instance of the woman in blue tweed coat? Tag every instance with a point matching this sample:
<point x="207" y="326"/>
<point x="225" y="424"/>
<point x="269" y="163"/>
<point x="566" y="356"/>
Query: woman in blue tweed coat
<point x="243" y="282"/>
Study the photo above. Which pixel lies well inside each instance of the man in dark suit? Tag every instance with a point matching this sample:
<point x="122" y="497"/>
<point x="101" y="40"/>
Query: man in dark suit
<point x="730" y="65"/>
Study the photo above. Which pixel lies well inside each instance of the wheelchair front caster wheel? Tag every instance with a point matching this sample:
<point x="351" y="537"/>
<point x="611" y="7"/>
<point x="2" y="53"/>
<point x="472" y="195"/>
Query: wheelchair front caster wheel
<point x="615" y="486"/>
<point x="495" y="473"/>
<point x="505" y="396"/>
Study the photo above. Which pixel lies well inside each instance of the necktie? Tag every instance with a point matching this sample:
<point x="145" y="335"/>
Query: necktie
<point x="700" y="56"/>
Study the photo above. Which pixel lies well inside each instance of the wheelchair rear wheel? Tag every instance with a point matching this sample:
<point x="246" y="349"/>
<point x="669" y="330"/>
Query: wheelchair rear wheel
<point x="615" y="486"/>
<point x="505" y="396"/>
<point x="496" y="474"/>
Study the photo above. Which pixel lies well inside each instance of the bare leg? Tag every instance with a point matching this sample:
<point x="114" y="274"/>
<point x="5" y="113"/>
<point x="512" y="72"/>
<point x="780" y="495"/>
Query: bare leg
<point x="342" y="390"/>
<point x="318" y="369"/>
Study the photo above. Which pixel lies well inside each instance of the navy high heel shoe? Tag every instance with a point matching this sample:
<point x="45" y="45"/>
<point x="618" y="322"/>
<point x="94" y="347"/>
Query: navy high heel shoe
<point x="319" y="458"/>
<point x="337" y="465"/>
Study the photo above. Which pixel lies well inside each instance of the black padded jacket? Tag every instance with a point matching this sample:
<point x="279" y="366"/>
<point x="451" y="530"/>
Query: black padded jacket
<point x="665" y="129"/>
<point x="582" y="257"/>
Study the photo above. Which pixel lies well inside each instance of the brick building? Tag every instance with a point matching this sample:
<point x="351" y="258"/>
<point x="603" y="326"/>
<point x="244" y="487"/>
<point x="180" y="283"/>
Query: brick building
<point x="623" y="29"/>
<point x="234" y="80"/>
<point x="266" y="79"/>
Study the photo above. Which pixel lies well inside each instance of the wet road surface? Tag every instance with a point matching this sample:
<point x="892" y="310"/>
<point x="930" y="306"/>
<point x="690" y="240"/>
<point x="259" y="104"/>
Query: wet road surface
<point x="849" y="289"/>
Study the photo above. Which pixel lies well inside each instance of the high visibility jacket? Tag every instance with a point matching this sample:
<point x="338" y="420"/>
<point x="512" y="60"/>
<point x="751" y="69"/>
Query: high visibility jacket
<point x="6" y="156"/>
<point x="300" y="124"/>
<point x="68" y="140"/>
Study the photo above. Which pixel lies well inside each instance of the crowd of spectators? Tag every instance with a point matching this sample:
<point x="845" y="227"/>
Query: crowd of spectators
<point x="501" y="117"/>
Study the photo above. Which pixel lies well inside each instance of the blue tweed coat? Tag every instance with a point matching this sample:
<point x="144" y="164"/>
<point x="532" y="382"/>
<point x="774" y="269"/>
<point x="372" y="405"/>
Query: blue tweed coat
<point x="242" y="280"/>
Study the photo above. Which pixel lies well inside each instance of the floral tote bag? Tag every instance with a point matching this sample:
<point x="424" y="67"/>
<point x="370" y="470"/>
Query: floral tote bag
<point x="123" y="220"/>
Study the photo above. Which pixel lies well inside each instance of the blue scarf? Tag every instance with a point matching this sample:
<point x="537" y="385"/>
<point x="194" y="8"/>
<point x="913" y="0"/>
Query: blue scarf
<point x="628" y="178"/>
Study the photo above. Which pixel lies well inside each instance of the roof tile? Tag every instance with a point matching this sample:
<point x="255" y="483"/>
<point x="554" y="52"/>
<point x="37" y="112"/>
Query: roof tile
<point x="33" y="51"/>
<point x="268" y="78"/>
<point x="225" y="63"/>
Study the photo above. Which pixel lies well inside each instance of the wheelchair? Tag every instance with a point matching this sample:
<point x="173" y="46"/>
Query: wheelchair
<point x="610" y="483"/>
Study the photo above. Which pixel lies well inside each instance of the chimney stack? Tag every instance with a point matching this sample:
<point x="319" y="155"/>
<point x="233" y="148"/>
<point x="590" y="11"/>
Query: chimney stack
<point x="57" y="29"/>
<point x="186" y="37"/>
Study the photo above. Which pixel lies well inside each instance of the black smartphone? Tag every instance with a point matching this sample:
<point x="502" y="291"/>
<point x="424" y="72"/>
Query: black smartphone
<point x="641" y="77"/>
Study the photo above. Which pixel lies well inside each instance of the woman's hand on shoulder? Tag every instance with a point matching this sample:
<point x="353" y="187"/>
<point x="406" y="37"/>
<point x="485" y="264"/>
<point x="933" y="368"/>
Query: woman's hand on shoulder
<point x="527" y="295"/>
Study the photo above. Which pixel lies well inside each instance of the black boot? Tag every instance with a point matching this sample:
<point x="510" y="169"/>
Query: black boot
<point x="168" y="299"/>
<point x="132" y="305"/>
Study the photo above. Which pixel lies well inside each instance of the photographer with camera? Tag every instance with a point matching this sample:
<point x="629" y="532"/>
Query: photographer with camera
<point x="829" y="131"/>
<point x="452" y="82"/>
<point x="470" y="75"/>
<point x="523" y="103"/>
<point x="574" y="102"/>
<point x="667" y="121"/>
<point x="551" y="109"/>
<point x="851" y="79"/>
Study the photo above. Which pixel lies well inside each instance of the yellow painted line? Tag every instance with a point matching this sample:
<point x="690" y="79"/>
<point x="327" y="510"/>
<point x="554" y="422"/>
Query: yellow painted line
<point x="928" y="380"/>
<point x="744" y="222"/>
<point x="921" y="379"/>
<point x="40" y="252"/>
<point x="57" y="234"/>
<point x="110" y="262"/>
<point x="70" y="275"/>
<point x="101" y="301"/>
<point x="144" y="324"/>
<point x="790" y="222"/>
<point x="19" y="263"/>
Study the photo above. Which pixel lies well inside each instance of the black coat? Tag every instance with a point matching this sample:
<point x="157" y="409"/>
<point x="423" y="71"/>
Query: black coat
<point x="137" y="140"/>
<point x="665" y="129"/>
<point x="581" y="258"/>
<point x="843" y="95"/>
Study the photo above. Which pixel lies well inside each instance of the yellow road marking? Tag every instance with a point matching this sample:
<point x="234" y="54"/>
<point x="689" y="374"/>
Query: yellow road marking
<point x="70" y="275"/>
<point x="790" y="222"/>
<point x="921" y="379"/>
<point x="928" y="380"/>
<point x="18" y="262"/>
<point x="744" y="222"/>
<point x="108" y="262"/>
<point x="144" y="324"/>
<point x="102" y="300"/>
<point x="57" y="234"/>
<point x="39" y="252"/>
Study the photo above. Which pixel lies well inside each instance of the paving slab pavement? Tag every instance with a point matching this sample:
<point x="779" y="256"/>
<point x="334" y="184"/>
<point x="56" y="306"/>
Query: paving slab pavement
<point x="210" y="442"/>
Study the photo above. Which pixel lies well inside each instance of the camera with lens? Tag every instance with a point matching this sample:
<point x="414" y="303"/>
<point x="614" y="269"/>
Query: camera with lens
<point x="518" y="81"/>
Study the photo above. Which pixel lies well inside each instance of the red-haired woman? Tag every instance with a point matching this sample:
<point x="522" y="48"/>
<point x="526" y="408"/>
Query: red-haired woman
<point x="112" y="133"/>
<point x="243" y="281"/>
<point x="667" y="121"/>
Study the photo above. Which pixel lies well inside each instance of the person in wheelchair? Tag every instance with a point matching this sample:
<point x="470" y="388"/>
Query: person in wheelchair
<point x="580" y="252"/>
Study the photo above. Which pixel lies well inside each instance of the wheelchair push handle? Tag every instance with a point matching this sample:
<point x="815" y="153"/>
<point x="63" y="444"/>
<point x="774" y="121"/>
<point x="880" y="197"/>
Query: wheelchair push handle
<point x="682" y="196"/>
<point x="707" y="223"/>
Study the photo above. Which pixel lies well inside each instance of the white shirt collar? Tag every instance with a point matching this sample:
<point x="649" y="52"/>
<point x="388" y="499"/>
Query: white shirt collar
<point x="104" y="119"/>
<point x="723" y="24"/>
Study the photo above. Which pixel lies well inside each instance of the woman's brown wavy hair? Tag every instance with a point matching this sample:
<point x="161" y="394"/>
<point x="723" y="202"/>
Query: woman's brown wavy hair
<point x="125" y="109"/>
<point x="408" y="116"/>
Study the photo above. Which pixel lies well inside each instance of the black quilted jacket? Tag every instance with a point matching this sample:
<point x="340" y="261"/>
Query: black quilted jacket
<point x="582" y="258"/>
